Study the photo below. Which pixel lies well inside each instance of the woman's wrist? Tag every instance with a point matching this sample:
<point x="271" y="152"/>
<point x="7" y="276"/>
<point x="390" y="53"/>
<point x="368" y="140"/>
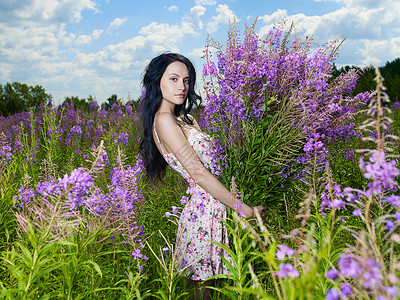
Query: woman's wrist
<point x="247" y="210"/>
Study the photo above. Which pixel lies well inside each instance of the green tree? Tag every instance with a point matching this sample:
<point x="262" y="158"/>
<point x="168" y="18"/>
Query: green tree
<point x="111" y="100"/>
<point x="17" y="97"/>
<point x="82" y="104"/>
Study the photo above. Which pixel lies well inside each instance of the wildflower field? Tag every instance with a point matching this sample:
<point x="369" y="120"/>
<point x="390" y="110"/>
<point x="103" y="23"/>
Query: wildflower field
<point x="78" y="219"/>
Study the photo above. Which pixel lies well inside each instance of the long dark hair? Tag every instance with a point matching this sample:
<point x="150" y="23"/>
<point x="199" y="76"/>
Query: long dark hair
<point x="153" y="160"/>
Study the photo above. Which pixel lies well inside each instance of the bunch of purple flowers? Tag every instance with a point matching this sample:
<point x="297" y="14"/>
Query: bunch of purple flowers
<point x="257" y="78"/>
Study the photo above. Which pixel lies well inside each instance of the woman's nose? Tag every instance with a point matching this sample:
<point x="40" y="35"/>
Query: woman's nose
<point x="182" y="85"/>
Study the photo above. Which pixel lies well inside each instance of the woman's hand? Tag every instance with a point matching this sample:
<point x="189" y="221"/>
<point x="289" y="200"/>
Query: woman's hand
<point x="251" y="218"/>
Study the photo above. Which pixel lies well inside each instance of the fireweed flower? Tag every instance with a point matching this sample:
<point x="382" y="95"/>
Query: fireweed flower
<point x="283" y="251"/>
<point x="345" y="289"/>
<point x="287" y="270"/>
<point x="136" y="254"/>
<point x="332" y="274"/>
<point x="390" y="225"/>
<point x="80" y="183"/>
<point x="5" y="154"/>
<point x="381" y="172"/>
<point x="122" y="138"/>
<point x="372" y="274"/>
<point x="393" y="200"/>
<point x="349" y="267"/>
<point x="332" y="294"/>
<point x="76" y="131"/>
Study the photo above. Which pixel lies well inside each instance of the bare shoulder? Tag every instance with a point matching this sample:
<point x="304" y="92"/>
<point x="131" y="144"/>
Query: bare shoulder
<point x="165" y="119"/>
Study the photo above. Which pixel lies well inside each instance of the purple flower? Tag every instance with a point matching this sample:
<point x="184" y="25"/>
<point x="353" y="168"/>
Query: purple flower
<point x="372" y="274"/>
<point x="332" y="274"/>
<point x="283" y="251"/>
<point x="337" y="203"/>
<point x="136" y="254"/>
<point x="348" y="267"/>
<point x="390" y="225"/>
<point x="242" y="214"/>
<point x="168" y="214"/>
<point x="122" y="138"/>
<point x="237" y="205"/>
<point x="287" y="270"/>
<point x="332" y="294"/>
<point x="357" y="213"/>
<point x="184" y="199"/>
<point x="393" y="200"/>
<point x="345" y="289"/>
<point x="76" y="131"/>
<point x="397" y="216"/>
<point x="391" y="291"/>
<point x="174" y="209"/>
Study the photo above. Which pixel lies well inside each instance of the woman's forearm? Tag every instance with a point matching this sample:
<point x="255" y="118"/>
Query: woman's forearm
<point x="212" y="185"/>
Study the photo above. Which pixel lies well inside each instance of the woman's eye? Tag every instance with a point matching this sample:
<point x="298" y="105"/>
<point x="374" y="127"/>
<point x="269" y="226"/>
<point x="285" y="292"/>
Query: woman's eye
<point x="173" y="79"/>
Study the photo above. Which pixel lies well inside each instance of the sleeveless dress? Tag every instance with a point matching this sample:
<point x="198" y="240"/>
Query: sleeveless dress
<point x="202" y="217"/>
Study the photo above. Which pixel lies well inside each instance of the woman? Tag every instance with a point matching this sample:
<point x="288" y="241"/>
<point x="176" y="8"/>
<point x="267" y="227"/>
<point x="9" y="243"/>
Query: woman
<point x="168" y="83"/>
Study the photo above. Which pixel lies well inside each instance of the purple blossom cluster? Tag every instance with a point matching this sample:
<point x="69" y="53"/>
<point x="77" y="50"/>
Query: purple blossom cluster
<point x="251" y="72"/>
<point x="285" y="269"/>
<point x="355" y="271"/>
<point x="117" y="210"/>
<point x="381" y="172"/>
<point x="368" y="269"/>
<point x="5" y="153"/>
<point x="73" y="129"/>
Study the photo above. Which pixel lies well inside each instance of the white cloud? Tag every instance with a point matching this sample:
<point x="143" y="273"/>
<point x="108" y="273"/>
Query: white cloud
<point x="195" y="13"/>
<point x="117" y="22"/>
<point x="225" y="14"/>
<point x="164" y="36"/>
<point x="198" y="52"/>
<point x="206" y="2"/>
<point x="29" y="12"/>
<point x="366" y="25"/>
<point x="173" y="8"/>
<point x="96" y="33"/>
<point x="85" y="39"/>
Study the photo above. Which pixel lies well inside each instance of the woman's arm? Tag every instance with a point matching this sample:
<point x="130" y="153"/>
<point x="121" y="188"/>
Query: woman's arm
<point x="172" y="135"/>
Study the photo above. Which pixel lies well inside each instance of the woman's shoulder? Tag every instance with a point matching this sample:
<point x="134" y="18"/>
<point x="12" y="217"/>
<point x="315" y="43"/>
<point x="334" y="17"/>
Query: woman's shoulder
<point x="164" y="119"/>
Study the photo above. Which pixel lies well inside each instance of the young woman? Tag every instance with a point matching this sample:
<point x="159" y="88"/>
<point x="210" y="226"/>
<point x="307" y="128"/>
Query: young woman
<point x="168" y="138"/>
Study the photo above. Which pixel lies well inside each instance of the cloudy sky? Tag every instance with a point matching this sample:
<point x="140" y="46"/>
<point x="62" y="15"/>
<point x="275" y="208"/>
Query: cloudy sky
<point x="100" y="47"/>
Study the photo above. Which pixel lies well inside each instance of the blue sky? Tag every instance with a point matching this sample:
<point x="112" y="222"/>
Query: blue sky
<point x="100" y="47"/>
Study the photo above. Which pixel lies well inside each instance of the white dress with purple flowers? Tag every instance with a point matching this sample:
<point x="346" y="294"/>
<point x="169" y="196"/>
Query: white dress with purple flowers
<point x="202" y="217"/>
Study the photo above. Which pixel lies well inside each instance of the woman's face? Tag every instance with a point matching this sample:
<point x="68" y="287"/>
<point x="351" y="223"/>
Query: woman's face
<point x="174" y="83"/>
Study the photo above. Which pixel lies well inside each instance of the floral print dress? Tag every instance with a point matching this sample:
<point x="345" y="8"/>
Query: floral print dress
<point x="202" y="217"/>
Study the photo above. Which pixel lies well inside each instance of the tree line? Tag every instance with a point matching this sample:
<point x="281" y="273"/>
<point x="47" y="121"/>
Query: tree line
<point x="17" y="97"/>
<point x="390" y="72"/>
